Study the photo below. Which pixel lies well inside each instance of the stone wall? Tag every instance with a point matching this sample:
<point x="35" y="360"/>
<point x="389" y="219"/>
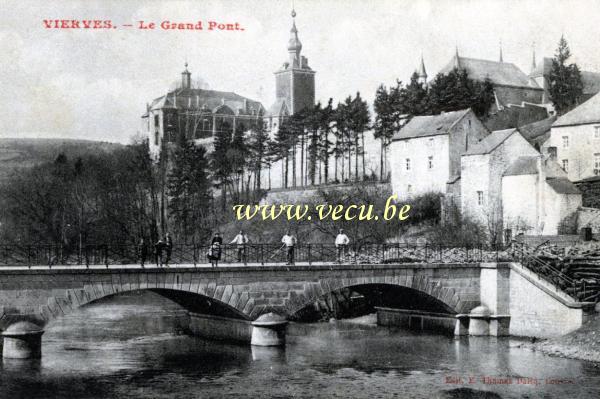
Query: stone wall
<point x="420" y="178"/>
<point x="590" y="191"/>
<point x="537" y="309"/>
<point x="580" y="151"/>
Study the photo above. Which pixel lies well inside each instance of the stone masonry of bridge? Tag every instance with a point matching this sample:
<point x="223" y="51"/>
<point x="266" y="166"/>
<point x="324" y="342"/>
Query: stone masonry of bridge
<point x="246" y="292"/>
<point x="221" y="300"/>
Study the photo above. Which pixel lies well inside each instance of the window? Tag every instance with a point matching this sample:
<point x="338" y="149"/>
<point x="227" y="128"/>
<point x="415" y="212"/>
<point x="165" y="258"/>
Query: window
<point x="430" y="162"/>
<point x="156" y="137"/>
<point x="409" y="189"/>
<point x="597" y="132"/>
<point x="565" y="141"/>
<point x="597" y="163"/>
<point x="430" y="143"/>
<point x="565" y="165"/>
<point x="479" y="197"/>
<point x="407" y="163"/>
<point x="156" y="120"/>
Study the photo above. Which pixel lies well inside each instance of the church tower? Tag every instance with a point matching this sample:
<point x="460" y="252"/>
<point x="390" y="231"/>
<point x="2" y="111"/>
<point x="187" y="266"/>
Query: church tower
<point x="422" y="73"/>
<point x="294" y="81"/>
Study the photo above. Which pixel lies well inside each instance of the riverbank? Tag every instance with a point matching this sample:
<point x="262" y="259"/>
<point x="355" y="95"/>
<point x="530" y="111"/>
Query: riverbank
<point x="582" y="344"/>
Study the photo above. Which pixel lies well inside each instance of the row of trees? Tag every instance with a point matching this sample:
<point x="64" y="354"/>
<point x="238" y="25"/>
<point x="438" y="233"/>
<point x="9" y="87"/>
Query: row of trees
<point x="316" y="136"/>
<point x="306" y="143"/>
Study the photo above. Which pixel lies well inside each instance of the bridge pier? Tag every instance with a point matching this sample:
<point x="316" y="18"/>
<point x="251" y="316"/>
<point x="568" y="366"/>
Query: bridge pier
<point x="22" y="340"/>
<point x="269" y="330"/>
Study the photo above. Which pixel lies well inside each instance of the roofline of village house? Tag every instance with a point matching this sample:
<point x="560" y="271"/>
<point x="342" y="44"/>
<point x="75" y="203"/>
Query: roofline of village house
<point x="576" y="124"/>
<point x="440" y="134"/>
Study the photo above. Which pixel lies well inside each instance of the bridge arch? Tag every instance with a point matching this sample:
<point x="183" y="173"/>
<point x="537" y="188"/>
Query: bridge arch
<point x="442" y="297"/>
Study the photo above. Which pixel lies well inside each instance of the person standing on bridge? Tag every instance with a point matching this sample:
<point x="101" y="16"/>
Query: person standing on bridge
<point x="214" y="251"/>
<point x="169" y="248"/>
<point x="158" y="250"/>
<point x="240" y="240"/>
<point x="142" y="251"/>
<point x="341" y="244"/>
<point x="289" y="241"/>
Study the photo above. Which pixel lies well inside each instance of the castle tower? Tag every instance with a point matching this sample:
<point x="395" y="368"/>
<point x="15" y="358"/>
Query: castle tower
<point x="186" y="81"/>
<point x="295" y="81"/>
<point x="421" y="72"/>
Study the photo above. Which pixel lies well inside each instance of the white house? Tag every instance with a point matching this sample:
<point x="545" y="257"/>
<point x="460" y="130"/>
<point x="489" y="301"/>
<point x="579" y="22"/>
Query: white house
<point x="575" y="137"/>
<point x="425" y="154"/>
<point x="537" y="196"/>
<point x="482" y="167"/>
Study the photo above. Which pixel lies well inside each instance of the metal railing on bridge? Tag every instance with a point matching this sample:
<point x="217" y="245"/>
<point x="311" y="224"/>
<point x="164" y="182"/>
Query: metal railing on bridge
<point x="119" y="254"/>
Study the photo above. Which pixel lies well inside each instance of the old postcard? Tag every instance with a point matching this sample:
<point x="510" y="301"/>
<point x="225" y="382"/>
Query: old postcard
<point x="300" y="199"/>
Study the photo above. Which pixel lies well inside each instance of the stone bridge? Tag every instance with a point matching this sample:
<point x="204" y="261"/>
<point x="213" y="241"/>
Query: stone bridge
<point x="34" y="297"/>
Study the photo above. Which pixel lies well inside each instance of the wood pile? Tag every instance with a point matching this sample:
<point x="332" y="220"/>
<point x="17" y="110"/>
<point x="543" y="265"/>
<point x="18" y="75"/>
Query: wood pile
<point x="580" y="262"/>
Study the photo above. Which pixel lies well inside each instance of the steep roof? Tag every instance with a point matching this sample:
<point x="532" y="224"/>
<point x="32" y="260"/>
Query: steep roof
<point x="195" y="99"/>
<point x="500" y="73"/>
<point x="527" y="165"/>
<point x="555" y="176"/>
<point x="278" y="108"/>
<point x="562" y="185"/>
<point x="490" y="142"/>
<point x="588" y="112"/>
<point x="591" y="82"/>
<point x="537" y="132"/>
<point x="429" y="125"/>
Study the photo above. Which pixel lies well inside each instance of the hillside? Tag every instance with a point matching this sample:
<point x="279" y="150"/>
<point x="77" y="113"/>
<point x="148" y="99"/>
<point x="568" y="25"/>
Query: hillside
<point x="18" y="153"/>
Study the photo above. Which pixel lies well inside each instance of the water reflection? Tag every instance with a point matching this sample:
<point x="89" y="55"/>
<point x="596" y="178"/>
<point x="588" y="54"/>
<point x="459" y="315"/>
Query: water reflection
<point x="138" y="351"/>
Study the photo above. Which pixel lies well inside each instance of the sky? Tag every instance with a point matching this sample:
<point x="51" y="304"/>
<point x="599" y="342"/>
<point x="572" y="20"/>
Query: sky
<point x="94" y="84"/>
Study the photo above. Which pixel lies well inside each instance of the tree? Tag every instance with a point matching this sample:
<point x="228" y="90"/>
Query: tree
<point x="313" y="126"/>
<point x="359" y="122"/>
<point x="325" y="127"/>
<point x="258" y="147"/>
<point x="455" y="91"/>
<point x="280" y="148"/>
<point x="219" y="164"/>
<point x="236" y="156"/>
<point x="189" y="191"/>
<point x="414" y="99"/>
<point x="564" y="82"/>
<point x="387" y="119"/>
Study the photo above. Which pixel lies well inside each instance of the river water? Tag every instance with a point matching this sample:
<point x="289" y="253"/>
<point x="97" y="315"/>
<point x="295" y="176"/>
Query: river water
<point x="137" y="350"/>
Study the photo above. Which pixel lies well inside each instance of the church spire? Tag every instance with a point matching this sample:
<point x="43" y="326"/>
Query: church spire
<point x="294" y="45"/>
<point x="501" y="59"/>
<point x="456" y="59"/>
<point x="421" y="72"/>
